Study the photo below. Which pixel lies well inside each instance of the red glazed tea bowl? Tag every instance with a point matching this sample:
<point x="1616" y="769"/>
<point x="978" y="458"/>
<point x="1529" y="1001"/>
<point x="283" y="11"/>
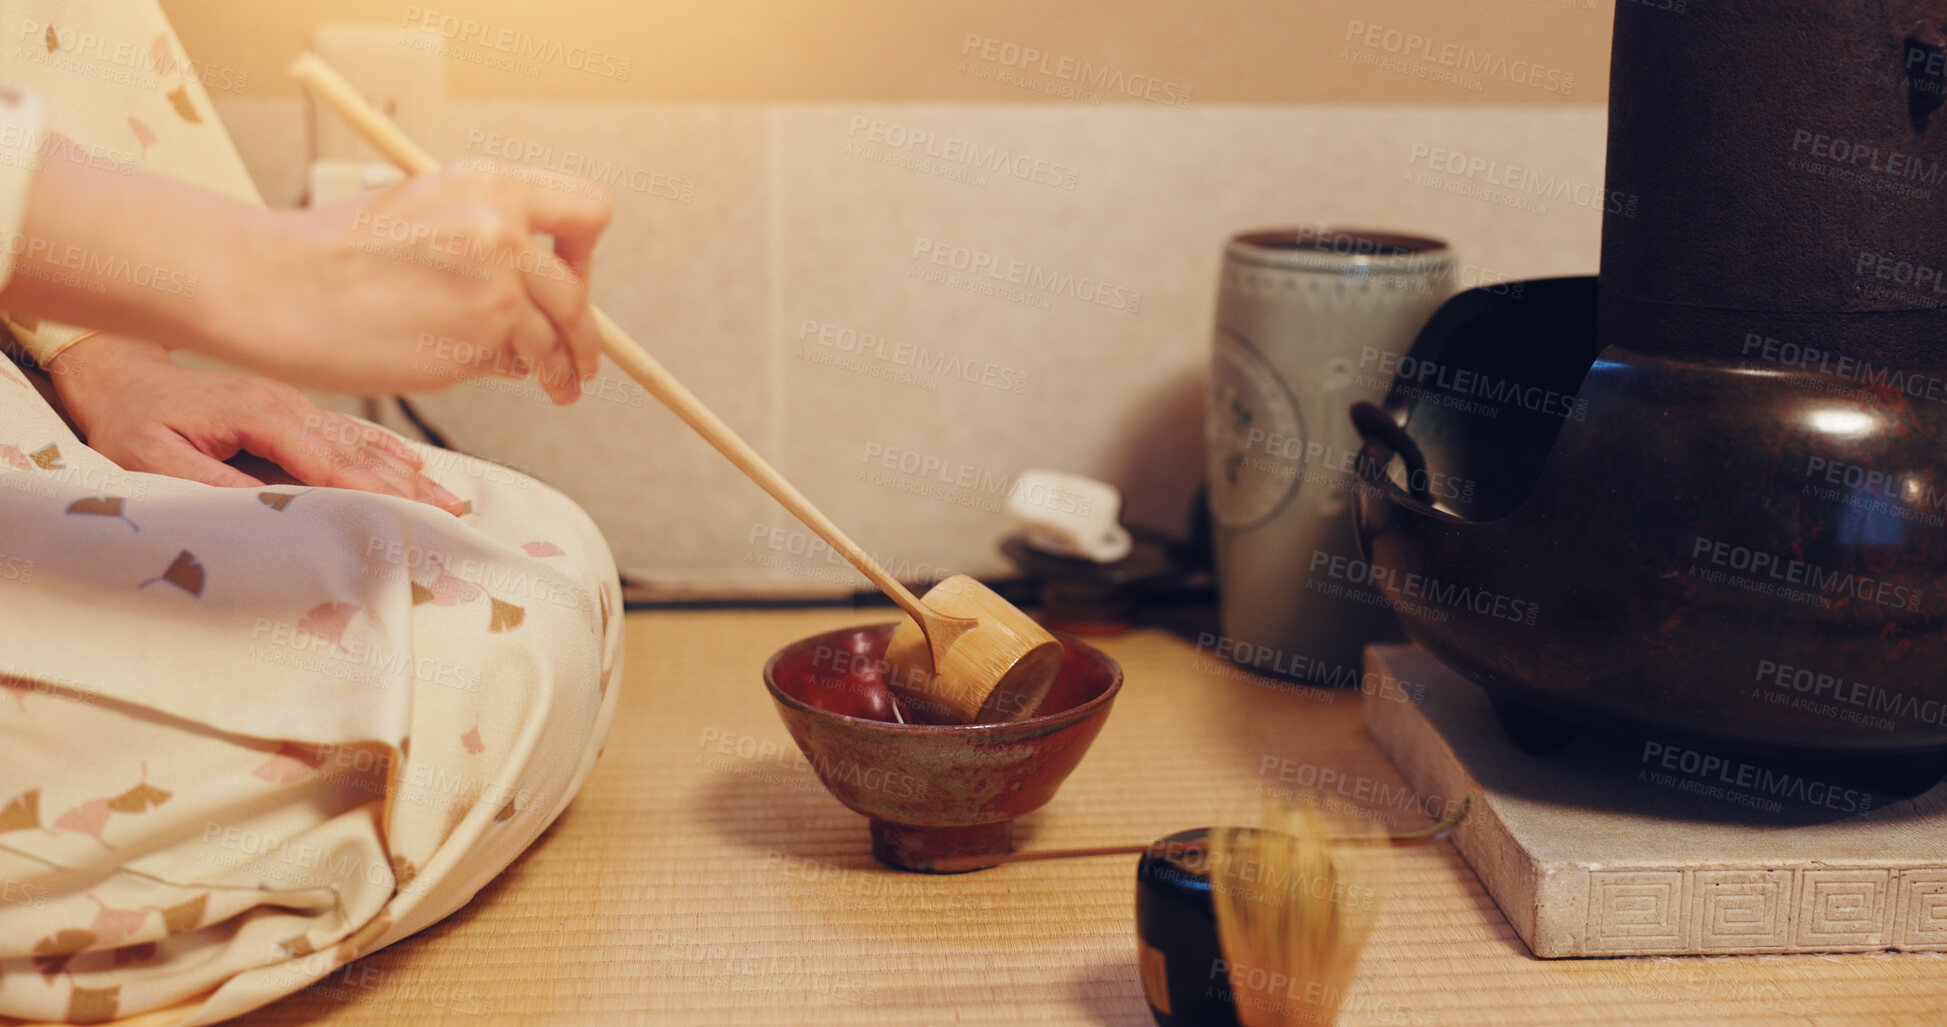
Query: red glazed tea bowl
<point x="933" y="790"/>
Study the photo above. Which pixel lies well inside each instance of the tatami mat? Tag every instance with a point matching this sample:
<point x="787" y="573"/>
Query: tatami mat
<point x="704" y="877"/>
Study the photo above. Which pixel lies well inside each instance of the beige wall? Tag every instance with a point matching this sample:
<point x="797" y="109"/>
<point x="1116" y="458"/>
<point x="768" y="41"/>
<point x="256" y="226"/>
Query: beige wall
<point x="790" y="216"/>
<point x="1213" y="51"/>
<point x="796" y="207"/>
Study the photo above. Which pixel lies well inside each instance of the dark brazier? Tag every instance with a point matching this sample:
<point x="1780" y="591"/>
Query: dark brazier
<point x="1712" y="495"/>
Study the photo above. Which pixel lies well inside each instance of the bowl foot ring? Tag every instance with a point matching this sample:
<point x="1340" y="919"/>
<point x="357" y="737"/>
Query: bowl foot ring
<point x="906" y="847"/>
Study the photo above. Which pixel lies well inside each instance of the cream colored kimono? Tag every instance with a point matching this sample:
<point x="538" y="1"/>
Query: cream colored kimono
<point x="248" y="735"/>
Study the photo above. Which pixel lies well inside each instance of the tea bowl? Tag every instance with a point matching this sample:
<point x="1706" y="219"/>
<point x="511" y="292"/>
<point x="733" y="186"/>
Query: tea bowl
<point x="933" y="790"/>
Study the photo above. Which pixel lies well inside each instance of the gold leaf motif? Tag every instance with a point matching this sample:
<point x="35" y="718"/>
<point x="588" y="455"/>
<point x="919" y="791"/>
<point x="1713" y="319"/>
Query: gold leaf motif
<point x="185" y="572"/>
<point x="139" y="798"/>
<point x="421" y="594"/>
<point x="106" y="506"/>
<point x="53" y="41"/>
<point x="48" y="457"/>
<point x="276" y="500"/>
<point x="22" y="813"/>
<point x="506" y="813"/>
<point x="505" y="616"/>
<point x="466" y="507"/>
<point x="93" y="1005"/>
<point x="297" y="947"/>
<point x="185" y="916"/>
<point x="402" y="870"/>
<point x="51" y="954"/>
<point x="180" y="98"/>
<point x="103" y="507"/>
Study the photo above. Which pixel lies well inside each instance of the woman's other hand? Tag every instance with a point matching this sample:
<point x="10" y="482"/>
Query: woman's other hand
<point x="147" y="414"/>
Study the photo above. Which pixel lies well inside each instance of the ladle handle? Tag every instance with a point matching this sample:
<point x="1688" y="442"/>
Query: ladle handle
<point x="397" y="147"/>
<point x="652" y="376"/>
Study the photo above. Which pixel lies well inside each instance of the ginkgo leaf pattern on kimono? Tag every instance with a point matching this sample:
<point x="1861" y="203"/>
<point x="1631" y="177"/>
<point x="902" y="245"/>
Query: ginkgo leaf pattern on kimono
<point x="93" y="1005"/>
<point x="185" y="572"/>
<point x="51" y="954"/>
<point x="128" y="954"/>
<point x="297" y="946"/>
<point x="91" y="817"/>
<point x="139" y="799"/>
<point x="184" y="917"/>
<point x="543" y="549"/>
<point x="22" y="812"/>
<point x="329" y="621"/>
<point x="105" y="506"/>
<point x="292" y="763"/>
<point x="471" y="740"/>
<point x="446" y="588"/>
<point x="52" y="39"/>
<point x="48" y="458"/>
<point x="143" y="134"/>
<point x="179" y="98"/>
<point x="276" y="500"/>
<point x="505" y="616"/>
<point x="163" y="55"/>
<point x="112" y="925"/>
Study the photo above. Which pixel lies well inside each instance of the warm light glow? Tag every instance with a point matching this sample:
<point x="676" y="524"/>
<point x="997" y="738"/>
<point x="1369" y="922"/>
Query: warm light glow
<point x="1841" y="421"/>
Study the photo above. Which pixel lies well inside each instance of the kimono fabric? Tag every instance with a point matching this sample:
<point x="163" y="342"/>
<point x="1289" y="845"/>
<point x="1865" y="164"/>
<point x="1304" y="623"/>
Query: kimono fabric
<point x="249" y="735"/>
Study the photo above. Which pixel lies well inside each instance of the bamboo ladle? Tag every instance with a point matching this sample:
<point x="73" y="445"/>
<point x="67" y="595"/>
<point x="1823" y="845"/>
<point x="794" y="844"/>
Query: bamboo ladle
<point x="963" y="655"/>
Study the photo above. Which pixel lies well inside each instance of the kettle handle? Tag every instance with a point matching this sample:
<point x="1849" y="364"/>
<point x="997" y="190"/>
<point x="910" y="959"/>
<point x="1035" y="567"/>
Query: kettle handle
<point x="1377" y="427"/>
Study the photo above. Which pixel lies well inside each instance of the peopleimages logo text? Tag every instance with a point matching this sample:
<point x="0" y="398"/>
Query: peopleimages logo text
<point x="1463" y="382"/>
<point x="1027" y="275"/>
<point x="1525" y="181"/>
<point x="1460" y="57"/>
<point x="1783" y="677"/>
<point x="513" y="42"/>
<point x="1709" y="766"/>
<point x="1069" y="69"/>
<point x="1840" y="365"/>
<point x="1421" y="587"/>
<point x="1774" y="567"/>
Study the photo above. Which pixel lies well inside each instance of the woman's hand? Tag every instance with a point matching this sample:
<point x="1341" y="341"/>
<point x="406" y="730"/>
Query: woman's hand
<point x="413" y="288"/>
<point x="149" y="415"/>
<point x="439" y="279"/>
